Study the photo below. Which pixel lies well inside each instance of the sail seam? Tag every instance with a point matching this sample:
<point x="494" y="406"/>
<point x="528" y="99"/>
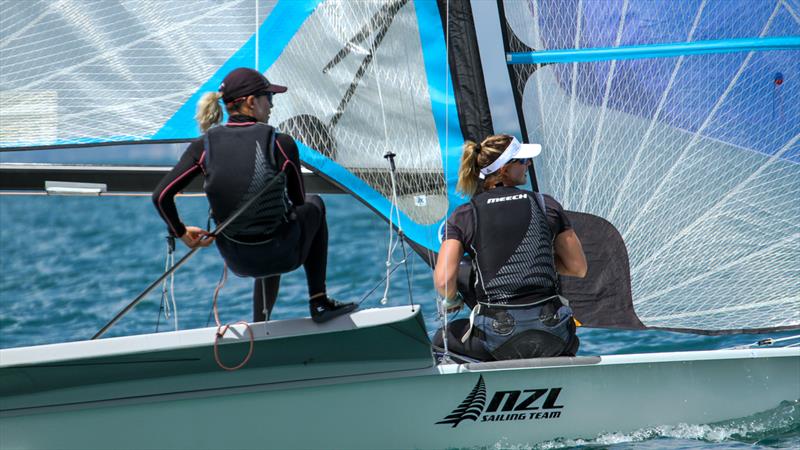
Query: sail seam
<point x="166" y="31"/>
<point x="656" y="116"/>
<point x="23" y="30"/>
<point x="573" y="90"/>
<point x="735" y="262"/>
<point x="791" y="10"/>
<point x="537" y="32"/>
<point x="735" y="190"/>
<point x="598" y="131"/>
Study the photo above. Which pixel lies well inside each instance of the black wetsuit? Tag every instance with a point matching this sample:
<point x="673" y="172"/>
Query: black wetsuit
<point x="302" y="240"/>
<point x="534" y="277"/>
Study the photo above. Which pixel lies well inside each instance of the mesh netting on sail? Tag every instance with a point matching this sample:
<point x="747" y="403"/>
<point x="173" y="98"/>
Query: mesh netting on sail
<point x="348" y="104"/>
<point x="676" y="124"/>
<point x="681" y="172"/>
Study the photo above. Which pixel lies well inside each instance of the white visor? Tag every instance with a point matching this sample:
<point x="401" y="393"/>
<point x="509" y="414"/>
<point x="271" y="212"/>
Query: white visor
<point x="515" y="150"/>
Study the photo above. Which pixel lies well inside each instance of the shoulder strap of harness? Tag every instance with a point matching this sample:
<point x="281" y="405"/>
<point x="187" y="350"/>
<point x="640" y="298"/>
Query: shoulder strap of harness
<point x="475" y="267"/>
<point x="271" y="145"/>
<point x="540" y="201"/>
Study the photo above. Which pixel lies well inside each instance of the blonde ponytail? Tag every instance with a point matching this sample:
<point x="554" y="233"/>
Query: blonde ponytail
<point x="468" y="170"/>
<point x="209" y="111"/>
<point x="477" y="156"/>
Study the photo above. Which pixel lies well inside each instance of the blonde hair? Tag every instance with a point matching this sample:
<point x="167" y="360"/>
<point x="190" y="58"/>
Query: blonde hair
<point x="475" y="158"/>
<point x="209" y="111"/>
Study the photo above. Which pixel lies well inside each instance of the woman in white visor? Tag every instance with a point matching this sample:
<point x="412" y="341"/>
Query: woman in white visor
<point x="517" y="242"/>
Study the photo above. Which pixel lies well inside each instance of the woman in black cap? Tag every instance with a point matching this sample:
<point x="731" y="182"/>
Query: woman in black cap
<point x="517" y="241"/>
<point x="283" y="229"/>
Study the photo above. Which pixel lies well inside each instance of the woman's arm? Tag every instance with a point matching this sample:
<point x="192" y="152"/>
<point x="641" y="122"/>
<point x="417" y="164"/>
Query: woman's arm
<point x="176" y="180"/>
<point x="570" y="259"/>
<point x="288" y="158"/>
<point x="446" y="271"/>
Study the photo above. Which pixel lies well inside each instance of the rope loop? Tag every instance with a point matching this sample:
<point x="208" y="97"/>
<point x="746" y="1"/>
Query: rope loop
<point x="221" y="330"/>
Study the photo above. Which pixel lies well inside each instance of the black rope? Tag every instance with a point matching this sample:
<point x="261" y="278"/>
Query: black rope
<point x="378" y="285"/>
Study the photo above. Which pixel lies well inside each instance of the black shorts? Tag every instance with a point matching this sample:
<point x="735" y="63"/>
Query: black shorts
<point x="286" y="251"/>
<point x="474" y="347"/>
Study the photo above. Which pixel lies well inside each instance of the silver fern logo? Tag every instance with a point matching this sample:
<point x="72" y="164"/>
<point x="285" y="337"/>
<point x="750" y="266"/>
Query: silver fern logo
<point x="504" y="406"/>
<point x="471" y="408"/>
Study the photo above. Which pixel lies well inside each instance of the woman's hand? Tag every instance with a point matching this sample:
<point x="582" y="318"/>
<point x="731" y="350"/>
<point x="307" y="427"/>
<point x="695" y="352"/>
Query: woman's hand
<point x="453" y="305"/>
<point x="197" y="237"/>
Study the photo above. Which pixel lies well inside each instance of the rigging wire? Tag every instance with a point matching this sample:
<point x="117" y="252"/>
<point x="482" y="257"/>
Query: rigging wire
<point x="172" y="289"/>
<point x="439" y="300"/>
<point x="374" y="288"/>
<point x="408" y="276"/>
<point x="166" y="294"/>
<point x="393" y="209"/>
<point x="394" y="212"/>
<point x="390" y="264"/>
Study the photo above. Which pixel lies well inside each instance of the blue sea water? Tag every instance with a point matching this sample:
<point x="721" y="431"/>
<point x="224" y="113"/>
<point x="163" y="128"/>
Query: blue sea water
<point x="69" y="264"/>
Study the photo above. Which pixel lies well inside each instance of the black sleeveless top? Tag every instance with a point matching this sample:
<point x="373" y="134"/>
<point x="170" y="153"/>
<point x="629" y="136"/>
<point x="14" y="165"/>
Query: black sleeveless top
<point x="511" y="245"/>
<point x="238" y="164"/>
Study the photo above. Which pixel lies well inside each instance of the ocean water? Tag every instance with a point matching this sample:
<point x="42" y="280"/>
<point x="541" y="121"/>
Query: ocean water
<point x="69" y="264"/>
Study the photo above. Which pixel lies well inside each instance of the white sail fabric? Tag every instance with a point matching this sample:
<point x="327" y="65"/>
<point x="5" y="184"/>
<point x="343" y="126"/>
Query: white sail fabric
<point x="694" y="159"/>
<point x="358" y="89"/>
<point x="364" y="78"/>
<point x="99" y="71"/>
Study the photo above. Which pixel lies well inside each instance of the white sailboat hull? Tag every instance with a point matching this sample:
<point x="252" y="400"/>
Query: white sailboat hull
<point x="395" y="402"/>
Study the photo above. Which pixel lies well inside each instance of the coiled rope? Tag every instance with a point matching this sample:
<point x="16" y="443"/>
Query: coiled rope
<point x="222" y="329"/>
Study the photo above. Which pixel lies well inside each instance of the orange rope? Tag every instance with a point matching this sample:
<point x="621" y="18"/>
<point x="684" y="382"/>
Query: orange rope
<point x="222" y="329"/>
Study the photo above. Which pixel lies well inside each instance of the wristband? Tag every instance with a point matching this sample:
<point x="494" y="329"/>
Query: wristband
<point x="454" y="302"/>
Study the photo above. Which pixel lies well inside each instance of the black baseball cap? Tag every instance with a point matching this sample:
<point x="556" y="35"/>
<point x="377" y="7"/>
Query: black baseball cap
<point x="244" y="81"/>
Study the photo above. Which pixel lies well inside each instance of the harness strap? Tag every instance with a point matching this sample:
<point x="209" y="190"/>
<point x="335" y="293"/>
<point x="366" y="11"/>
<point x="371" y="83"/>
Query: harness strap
<point x="561" y="299"/>
<point x="540" y="200"/>
<point x="477" y="309"/>
<point x="472" y="315"/>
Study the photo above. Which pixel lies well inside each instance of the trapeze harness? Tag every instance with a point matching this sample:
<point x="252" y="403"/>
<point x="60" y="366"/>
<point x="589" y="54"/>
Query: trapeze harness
<point x="238" y="164"/>
<point x="519" y="313"/>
